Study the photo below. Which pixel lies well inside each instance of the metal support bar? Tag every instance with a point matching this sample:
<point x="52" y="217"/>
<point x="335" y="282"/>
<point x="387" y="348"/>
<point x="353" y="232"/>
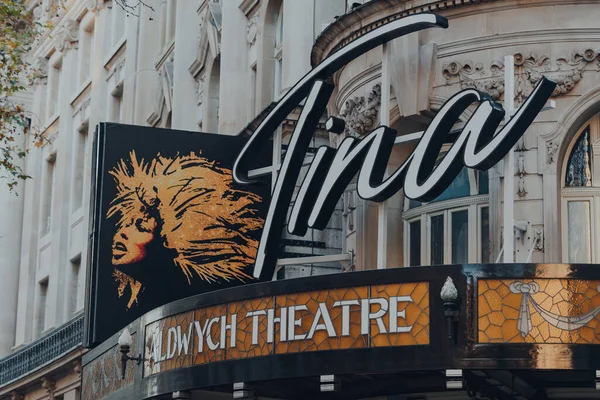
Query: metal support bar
<point x="242" y="390"/>
<point x="509" y="161"/>
<point x="254" y="173"/>
<point x="329" y="383"/>
<point x="500" y="255"/>
<point x="315" y="259"/>
<point x="533" y="243"/>
<point x="384" y="115"/>
<point x="454" y="378"/>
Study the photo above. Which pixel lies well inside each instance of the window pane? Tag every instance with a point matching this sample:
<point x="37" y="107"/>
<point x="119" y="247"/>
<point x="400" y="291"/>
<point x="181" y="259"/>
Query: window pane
<point x="437" y="240"/>
<point x="415" y="243"/>
<point x="414" y="203"/>
<point x="485" y="235"/>
<point x="460" y="187"/>
<point x="484" y="183"/>
<point x="460" y="235"/>
<point x="579" y="231"/>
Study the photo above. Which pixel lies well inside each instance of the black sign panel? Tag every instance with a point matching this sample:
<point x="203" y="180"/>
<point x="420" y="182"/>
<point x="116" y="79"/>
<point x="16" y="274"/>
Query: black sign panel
<point x="168" y="221"/>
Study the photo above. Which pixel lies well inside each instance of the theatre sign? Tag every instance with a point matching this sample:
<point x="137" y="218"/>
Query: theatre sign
<point x="334" y="319"/>
<point x="178" y="218"/>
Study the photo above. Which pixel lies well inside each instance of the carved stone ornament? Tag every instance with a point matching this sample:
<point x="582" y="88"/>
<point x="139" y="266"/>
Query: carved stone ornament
<point x="48" y="384"/>
<point x="37" y="12"/>
<point x="40" y="70"/>
<point x="567" y="72"/>
<point x="449" y="291"/>
<point x="520" y="146"/>
<point x="551" y="151"/>
<point x="68" y="36"/>
<point x="521" y="165"/>
<point x="539" y="240"/>
<point x="252" y="30"/>
<point x="200" y="90"/>
<point x="77" y="366"/>
<point x="522" y="192"/>
<point x="360" y="115"/>
<point x="94" y="5"/>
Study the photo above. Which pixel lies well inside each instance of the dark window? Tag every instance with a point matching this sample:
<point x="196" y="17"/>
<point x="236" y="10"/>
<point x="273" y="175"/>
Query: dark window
<point x="460" y="237"/>
<point x="485" y="235"/>
<point x="415" y="243"/>
<point x="437" y="240"/>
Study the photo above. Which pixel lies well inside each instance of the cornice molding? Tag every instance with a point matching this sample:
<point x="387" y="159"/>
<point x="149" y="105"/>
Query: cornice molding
<point x="372" y="14"/>
<point x="364" y="19"/>
<point x="67" y="36"/>
<point x="520" y="38"/>
<point x="45" y="45"/>
<point x="579" y="191"/>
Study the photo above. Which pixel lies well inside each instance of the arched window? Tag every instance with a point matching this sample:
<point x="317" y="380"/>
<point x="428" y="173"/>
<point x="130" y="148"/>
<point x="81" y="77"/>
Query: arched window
<point x="579" y="171"/>
<point x="580" y="198"/>
<point x="454" y="227"/>
<point x="212" y="101"/>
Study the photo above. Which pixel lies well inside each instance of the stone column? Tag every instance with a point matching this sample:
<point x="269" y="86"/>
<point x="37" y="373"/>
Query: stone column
<point x="495" y="211"/>
<point x="145" y="80"/>
<point x="184" y="86"/>
<point x="298" y="21"/>
<point x="97" y="114"/>
<point x="235" y="71"/>
<point x="11" y="215"/>
<point x="57" y="287"/>
<point x="552" y="249"/>
<point x="31" y="198"/>
<point x="130" y="74"/>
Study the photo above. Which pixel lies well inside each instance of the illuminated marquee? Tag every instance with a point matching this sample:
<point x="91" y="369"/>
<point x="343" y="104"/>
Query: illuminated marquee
<point x="335" y="319"/>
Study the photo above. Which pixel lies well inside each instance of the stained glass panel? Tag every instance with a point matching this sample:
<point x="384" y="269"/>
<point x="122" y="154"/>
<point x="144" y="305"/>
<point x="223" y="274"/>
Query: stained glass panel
<point x="579" y="165"/>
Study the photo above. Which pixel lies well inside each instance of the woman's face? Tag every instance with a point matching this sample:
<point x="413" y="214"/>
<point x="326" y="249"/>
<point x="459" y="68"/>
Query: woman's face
<point x="130" y="241"/>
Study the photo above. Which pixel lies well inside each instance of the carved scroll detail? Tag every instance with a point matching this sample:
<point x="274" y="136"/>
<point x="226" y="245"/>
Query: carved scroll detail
<point x="567" y="72"/>
<point x="361" y="115"/>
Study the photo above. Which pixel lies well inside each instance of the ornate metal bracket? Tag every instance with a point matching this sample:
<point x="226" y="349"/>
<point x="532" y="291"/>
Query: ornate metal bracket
<point x="449" y="295"/>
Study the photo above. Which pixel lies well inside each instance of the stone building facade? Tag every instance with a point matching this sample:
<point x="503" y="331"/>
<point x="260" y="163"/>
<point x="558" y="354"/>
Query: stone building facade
<point x="214" y="66"/>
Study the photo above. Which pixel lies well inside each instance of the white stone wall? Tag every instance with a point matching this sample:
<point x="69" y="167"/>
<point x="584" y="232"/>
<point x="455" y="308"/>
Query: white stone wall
<point x="185" y="64"/>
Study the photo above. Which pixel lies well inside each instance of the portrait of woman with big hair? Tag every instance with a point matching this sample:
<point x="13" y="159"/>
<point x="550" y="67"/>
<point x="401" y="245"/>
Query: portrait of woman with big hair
<point x="179" y="221"/>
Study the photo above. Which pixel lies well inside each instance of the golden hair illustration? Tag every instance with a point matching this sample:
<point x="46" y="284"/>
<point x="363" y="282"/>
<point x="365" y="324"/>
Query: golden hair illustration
<point x="189" y="203"/>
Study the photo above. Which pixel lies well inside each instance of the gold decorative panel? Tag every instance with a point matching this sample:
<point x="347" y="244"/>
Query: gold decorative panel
<point x="102" y="377"/>
<point x="338" y="319"/>
<point x="538" y="311"/>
